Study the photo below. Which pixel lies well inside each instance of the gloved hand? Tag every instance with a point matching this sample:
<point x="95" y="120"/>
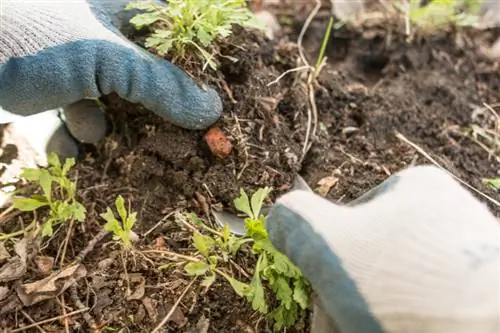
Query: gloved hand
<point x="57" y="53"/>
<point x="418" y="254"/>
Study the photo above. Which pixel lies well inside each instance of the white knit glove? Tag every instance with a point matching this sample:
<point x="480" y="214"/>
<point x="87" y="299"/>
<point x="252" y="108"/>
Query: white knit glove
<point x="418" y="255"/>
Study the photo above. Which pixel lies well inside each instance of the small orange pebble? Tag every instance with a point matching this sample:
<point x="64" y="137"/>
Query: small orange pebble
<point x="218" y="142"/>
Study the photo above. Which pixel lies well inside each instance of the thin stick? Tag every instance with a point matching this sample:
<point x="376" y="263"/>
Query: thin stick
<point x="22" y="329"/>
<point x="76" y="300"/>
<point x="90" y="246"/>
<point x="37" y="325"/>
<point x="423" y="153"/>
<point x="174" y="307"/>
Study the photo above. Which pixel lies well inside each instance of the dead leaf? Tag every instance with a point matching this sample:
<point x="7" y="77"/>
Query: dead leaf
<point x="104" y="264"/>
<point x="4" y="292"/>
<point x="325" y="185"/>
<point x="44" y="264"/>
<point x="14" y="269"/>
<point x="177" y="316"/>
<point x="51" y="286"/>
<point x="202" y="326"/>
<point x="4" y="254"/>
<point x="139" y="289"/>
<point x="11" y="303"/>
<point x="150" y="308"/>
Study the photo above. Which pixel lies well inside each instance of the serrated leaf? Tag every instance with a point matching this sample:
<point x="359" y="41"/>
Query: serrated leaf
<point x="300" y="294"/>
<point x="236" y="243"/>
<point x="28" y="204"/>
<point x="143" y="20"/>
<point x="45" y="181"/>
<point x="130" y="221"/>
<point x="141" y="5"/>
<point x="242" y="204"/>
<point x="197" y="268"/>
<point x="258" y="199"/>
<point x="204" y="37"/>
<point x="109" y="215"/>
<point x="68" y="164"/>
<point x="54" y="161"/>
<point x="239" y="288"/>
<point x="203" y="243"/>
<point x="257" y="295"/>
<point x="120" y="207"/>
<point x="31" y="174"/>
<point x="113" y="226"/>
<point x="283" y="291"/>
<point x="79" y="211"/>
<point x="47" y="228"/>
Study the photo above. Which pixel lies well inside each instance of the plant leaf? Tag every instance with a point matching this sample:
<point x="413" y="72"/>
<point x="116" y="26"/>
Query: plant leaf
<point x="145" y="19"/>
<point x="494" y="183"/>
<point x="45" y="181"/>
<point x="258" y="199"/>
<point x="68" y="164"/>
<point x="208" y="281"/>
<point x="54" y="161"/>
<point x="242" y="203"/>
<point x="300" y="294"/>
<point x="28" y="204"/>
<point x="203" y="243"/>
<point x="120" y="207"/>
<point x="197" y="268"/>
<point x="31" y="174"/>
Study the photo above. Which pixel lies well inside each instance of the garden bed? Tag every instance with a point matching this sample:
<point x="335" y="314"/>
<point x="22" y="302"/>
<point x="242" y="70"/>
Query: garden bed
<point x="375" y="86"/>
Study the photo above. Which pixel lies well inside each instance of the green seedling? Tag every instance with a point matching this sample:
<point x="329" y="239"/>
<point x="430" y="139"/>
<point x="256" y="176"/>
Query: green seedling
<point x="438" y="13"/>
<point x="273" y="268"/>
<point x="121" y="229"/>
<point x="273" y="271"/>
<point x="494" y="183"/>
<point x="184" y="25"/>
<point x="58" y="194"/>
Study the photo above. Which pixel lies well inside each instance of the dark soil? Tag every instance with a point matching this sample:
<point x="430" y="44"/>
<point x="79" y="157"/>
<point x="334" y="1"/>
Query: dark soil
<point x="375" y="83"/>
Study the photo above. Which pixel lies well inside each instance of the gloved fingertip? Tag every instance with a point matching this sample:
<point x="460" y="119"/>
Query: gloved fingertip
<point x="62" y="144"/>
<point x="85" y="121"/>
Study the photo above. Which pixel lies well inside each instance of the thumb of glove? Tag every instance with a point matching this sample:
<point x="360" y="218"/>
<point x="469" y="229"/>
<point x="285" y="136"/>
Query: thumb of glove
<point x="421" y="255"/>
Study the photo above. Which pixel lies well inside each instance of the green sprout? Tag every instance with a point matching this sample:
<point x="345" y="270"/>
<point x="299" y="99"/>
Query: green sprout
<point x="58" y="194"/>
<point x="273" y="271"/>
<point x="121" y="229"/>
<point x="183" y="25"/>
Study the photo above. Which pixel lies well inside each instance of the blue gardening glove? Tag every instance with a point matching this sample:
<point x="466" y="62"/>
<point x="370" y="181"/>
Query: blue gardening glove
<point x="418" y="254"/>
<point x="56" y="53"/>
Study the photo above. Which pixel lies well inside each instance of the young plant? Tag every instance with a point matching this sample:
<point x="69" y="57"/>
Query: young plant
<point x="273" y="270"/>
<point x="184" y="25"/>
<point x="121" y="229"/>
<point x="58" y="194"/>
<point x="438" y="13"/>
<point x="494" y="183"/>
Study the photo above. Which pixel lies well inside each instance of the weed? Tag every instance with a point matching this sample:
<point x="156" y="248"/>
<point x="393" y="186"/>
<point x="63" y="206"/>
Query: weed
<point x="438" y="13"/>
<point x="122" y="230"/>
<point x="60" y="198"/>
<point x="273" y="270"/>
<point x="493" y="183"/>
<point x="183" y="25"/>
